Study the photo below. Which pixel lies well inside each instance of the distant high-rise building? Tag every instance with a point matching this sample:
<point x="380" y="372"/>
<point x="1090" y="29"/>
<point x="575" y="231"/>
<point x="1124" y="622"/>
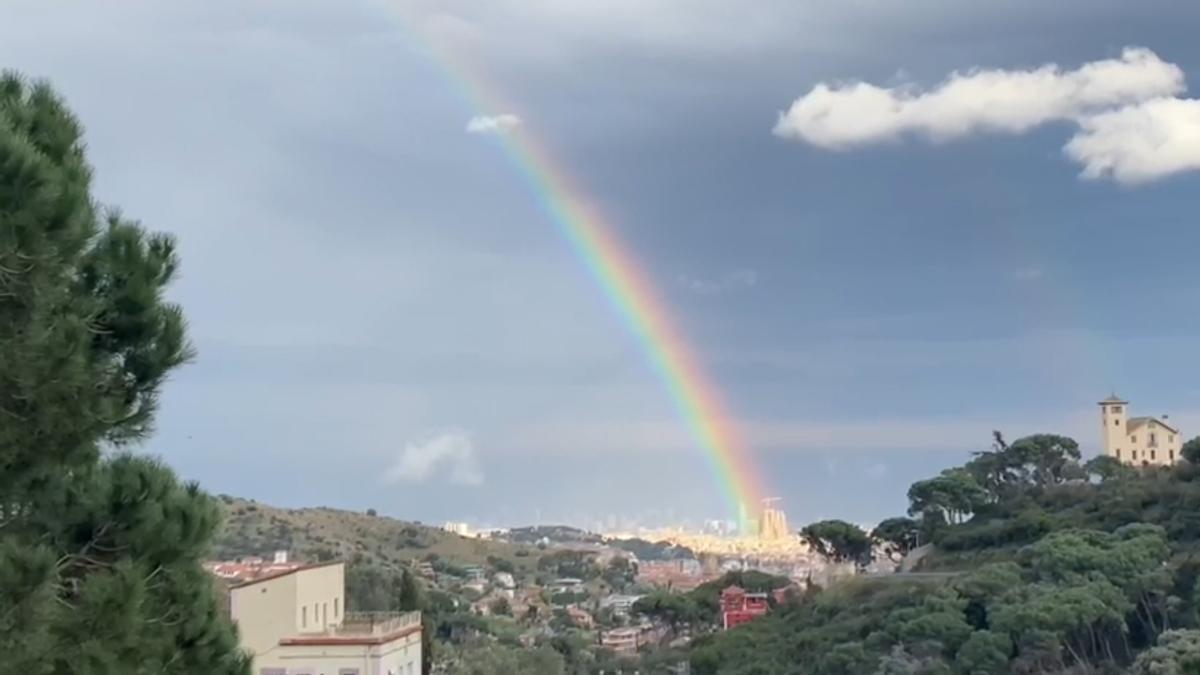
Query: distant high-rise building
<point x="773" y="524"/>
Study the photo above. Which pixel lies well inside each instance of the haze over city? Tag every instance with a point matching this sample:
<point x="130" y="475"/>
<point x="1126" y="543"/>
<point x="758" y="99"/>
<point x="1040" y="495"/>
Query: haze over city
<point x="871" y="298"/>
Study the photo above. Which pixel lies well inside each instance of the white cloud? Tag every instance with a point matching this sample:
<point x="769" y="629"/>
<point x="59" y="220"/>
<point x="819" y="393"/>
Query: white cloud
<point x="1012" y="101"/>
<point x="451" y="455"/>
<point x="492" y="124"/>
<point x="1139" y="143"/>
<point x="729" y="281"/>
<point x="1132" y="127"/>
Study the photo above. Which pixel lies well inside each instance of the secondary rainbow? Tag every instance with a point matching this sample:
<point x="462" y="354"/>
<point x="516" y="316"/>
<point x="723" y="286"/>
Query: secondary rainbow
<point x="614" y="268"/>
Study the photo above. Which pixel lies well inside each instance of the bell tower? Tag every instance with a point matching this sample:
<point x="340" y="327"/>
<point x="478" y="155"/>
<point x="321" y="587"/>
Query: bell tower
<point x="1113" y="413"/>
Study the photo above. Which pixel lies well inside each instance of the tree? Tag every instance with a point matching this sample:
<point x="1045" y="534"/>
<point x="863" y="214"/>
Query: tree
<point x="1107" y="468"/>
<point x="838" y="541"/>
<point x="1191" y="450"/>
<point x="372" y="512"/>
<point x="619" y="573"/>
<point x="955" y="495"/>
<point x="897" y="536"/>
<point x="1177" y="653"/>
<point x="672" y="609"/>
<point x="99" y="555"/>
<point x="409" y="597"/>
<point x="500" y="606"/>
<point x="1047" y="459"/>
<point x="984" y="653"/>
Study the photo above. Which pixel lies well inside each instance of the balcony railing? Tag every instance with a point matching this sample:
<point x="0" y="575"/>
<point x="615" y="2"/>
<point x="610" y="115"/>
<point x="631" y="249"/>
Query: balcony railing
<point x="371" y="624"/>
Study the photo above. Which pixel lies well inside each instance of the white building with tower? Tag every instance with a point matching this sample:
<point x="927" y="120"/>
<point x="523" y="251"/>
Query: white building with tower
<point x="1140" y="441"/>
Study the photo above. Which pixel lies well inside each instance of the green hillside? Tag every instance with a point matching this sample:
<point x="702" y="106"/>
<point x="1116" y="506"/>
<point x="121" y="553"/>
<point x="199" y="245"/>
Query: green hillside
<point x="1047" y="565"/>
<point x="253" y="528"/>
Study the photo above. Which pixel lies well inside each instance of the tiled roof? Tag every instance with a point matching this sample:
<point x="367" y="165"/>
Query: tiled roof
<point x="284" y="573"/>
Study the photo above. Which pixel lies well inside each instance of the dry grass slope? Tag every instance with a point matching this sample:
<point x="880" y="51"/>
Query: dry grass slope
<point x="320" y="533"/>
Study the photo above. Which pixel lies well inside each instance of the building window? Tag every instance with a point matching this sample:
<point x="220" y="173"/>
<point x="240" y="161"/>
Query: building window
<point x="335" y="607"/>
<point x="1152" y="454"/>
<point x="1116" y="423"/>
<point x="1133" y="439"/>
<point x="1118" y="453"/>
<point x="1134" y="454"/>
<point x="1170" y="438"/>
<point x="304" y="617"/>
<point x="324" y="613"/>
<point x="1153" y="439"/>
<point x="1171" y="455"/>
<point x="1116" y="409"/>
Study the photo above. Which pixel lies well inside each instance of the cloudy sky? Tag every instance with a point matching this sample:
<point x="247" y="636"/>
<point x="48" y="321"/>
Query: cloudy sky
<point x="885" y="228"/>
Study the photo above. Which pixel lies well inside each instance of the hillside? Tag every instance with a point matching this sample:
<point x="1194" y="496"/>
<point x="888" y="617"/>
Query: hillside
<point x="321" y="533"/>
<point x="1048" y="565"/>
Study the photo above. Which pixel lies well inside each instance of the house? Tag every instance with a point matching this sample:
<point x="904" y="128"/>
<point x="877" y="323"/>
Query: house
<point x="621" y="605"/>
<point x="505" y="584"/>
<point x="295" y="622"/>
<point x="626" y="641"/>
<point x="580" y="617"/>
<point x="739" y="606"/>
<point x="623" y="641"/>
<point x="1139" y="441"/>
<point x="565" y="585"/>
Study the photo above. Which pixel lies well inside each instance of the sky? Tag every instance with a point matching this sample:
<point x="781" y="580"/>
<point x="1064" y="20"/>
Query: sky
<point x="885" y="230"/>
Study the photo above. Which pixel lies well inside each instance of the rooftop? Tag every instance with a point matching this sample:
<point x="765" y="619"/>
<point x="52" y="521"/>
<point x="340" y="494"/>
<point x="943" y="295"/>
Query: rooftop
<point x="284" y="573"/>
<point x="362" y="628"/>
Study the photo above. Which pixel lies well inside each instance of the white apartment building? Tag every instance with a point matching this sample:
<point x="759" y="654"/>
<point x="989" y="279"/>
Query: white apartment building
<point x="1141" y="441"/>
<point x="295" y="623"/>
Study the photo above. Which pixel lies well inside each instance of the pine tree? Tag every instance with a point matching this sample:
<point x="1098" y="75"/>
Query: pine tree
<point x="99" y="550"/>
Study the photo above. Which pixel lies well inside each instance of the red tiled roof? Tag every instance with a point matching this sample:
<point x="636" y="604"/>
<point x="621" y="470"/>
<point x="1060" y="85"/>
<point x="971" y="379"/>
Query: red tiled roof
<point x="284" y="573"/>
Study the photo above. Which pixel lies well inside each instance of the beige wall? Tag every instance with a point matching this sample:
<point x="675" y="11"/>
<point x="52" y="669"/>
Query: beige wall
<point x="1134" y="446"/>
<point x="305" y="601"/>
<point x="319" y="592"/>
<point x="257" y="609"/>
<point x="1164" y="450"/>
<point x="1112" y="426"/>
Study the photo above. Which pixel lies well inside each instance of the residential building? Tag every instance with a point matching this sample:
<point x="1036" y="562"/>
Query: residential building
<point x="680" y="575"/>
<point x="295" y="622"/>
<point x="580" y="617"/>
<point x="626" y="641"/>
<point x="621" y="605"/>
<point x="1139" y="441"/>
<point x="623" y="641"/>
<point x="739" y="606"/>
<point x="565" y="585"/>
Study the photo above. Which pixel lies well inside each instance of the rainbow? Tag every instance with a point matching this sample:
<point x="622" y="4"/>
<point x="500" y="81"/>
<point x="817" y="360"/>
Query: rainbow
<point x="616" y="271"/>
